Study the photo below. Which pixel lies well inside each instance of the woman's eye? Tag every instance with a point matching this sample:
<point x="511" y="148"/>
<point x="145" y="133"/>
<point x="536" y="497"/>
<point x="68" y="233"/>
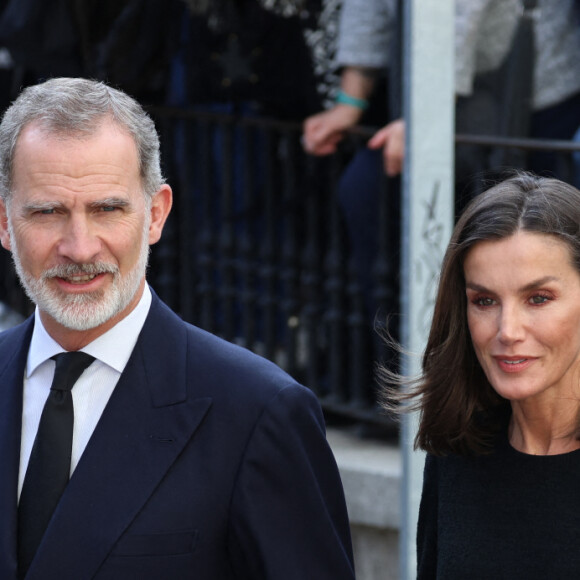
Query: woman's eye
<point x="484" y="301"/>
<point x="538" y="299"/>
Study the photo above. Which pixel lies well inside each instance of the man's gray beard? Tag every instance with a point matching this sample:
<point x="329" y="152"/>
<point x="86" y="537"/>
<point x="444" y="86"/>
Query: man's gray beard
<point x="88" y="310"/>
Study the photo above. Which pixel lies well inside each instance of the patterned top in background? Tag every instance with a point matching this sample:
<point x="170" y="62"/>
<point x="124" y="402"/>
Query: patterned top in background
<point x="319" y="27"/>
<point x="484" y="30"/>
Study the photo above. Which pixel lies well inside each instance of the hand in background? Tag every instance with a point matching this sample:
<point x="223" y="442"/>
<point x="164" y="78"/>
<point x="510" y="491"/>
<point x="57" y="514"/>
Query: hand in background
<point x="392" y="140"/>
<point x="322" y="132"/>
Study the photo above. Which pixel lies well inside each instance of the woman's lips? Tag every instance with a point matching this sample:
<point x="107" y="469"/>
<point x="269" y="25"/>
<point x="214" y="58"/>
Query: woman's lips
<point x="513" y="364"/>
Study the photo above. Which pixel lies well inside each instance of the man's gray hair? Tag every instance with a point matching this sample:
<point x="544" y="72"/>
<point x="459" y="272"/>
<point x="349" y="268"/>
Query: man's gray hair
<point x="76" y="108"/>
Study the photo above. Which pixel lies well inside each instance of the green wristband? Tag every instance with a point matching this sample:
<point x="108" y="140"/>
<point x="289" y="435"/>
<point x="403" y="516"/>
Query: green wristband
<point x="343" y="98"/>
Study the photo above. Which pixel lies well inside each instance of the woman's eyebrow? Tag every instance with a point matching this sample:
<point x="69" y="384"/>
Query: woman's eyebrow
<point x="530" y="286"/>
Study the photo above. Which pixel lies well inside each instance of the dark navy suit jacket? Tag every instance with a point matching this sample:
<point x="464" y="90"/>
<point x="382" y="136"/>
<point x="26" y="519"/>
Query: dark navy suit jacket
<point x="208" y="463"/>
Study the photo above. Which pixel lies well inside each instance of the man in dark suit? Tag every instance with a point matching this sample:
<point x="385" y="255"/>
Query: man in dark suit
<point x="189" y="457"/>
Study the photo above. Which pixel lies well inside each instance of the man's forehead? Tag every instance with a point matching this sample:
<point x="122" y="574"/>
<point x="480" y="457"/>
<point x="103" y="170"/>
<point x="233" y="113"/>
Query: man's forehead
<point x="108" y="144"/>
<point x="96" y="170"/>
<point x="48" y="130"/>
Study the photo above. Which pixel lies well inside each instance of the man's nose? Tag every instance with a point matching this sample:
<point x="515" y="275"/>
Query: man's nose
<point x="79" y="242"/>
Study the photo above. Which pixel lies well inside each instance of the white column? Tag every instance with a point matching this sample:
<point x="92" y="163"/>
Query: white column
<point x="427" y="211"/>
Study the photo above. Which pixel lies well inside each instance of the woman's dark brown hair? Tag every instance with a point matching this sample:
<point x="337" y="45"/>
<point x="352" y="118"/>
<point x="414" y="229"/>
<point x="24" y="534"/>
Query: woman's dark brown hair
<point x="459" y="410"/>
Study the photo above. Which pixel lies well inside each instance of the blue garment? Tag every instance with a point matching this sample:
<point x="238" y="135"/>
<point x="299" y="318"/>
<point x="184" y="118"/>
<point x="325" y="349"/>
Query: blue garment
<point x="209" y="462"/>
<point x="358" y="195"/>
<point x="558" y="122"/>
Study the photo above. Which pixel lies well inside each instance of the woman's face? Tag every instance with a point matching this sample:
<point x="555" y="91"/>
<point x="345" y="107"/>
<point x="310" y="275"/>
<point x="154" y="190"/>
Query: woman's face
<point x="523" y="312"/>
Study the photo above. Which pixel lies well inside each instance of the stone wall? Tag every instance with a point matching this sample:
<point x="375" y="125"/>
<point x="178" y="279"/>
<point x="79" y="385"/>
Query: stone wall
<point x="371" y="476"/>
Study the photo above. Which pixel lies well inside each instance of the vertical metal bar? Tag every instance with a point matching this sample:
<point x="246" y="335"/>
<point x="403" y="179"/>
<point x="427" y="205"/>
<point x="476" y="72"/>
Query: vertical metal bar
<point x="359" y="365"/>
<point x="247" y="240"/>
<point x="427" y="210"/>
<point x="205" y="237"/>
<point x="386" y="289"/>
<point x="289" y="270"/>
<point x="268" y="297"/>
<point x="165" y="254"/>
<point x="186" y="209"/>
<point x="335" y="286"/>
<point x="311" y="278"/>
<point x="227" y="281"/>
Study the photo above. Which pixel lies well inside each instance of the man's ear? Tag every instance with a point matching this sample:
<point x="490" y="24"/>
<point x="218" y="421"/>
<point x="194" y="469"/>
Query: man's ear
<point x="4" y="235"/>
<point x="160" y="208"/>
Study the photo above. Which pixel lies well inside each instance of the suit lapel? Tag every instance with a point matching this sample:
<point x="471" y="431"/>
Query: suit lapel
<point x="13" y="354"/>
<point x="145" y="426"/>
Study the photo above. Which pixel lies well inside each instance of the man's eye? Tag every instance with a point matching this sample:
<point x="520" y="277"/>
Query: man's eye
<point x="46" y="211"/>
<point x="108" y="208"/>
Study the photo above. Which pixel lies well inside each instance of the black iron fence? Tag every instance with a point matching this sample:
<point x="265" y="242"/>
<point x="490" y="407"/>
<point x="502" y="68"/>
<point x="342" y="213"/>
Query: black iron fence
<point x="256" y="250"/>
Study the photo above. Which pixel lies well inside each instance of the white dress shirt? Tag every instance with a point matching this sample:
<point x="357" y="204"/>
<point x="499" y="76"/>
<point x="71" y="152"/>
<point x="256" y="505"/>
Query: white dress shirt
<point x="90" y="393"/>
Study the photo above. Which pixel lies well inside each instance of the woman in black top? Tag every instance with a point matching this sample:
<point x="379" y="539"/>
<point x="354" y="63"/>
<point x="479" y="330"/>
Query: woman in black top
<point x="499" y="396"/>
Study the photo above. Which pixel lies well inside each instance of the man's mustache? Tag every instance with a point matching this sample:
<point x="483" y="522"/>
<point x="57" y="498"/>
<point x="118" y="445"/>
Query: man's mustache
<point x="68" y="270"/>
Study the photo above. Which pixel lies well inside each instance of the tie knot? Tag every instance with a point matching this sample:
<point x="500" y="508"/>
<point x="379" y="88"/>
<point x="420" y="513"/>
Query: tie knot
<point x="69" y="367"/>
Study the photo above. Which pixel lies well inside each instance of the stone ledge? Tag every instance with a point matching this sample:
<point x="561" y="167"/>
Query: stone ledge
<point x="371" y="476"/>
<point x="8" y="318"/>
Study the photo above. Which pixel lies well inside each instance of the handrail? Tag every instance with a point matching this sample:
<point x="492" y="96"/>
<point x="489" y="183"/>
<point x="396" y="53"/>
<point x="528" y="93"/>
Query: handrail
<point x="529" y="144"/>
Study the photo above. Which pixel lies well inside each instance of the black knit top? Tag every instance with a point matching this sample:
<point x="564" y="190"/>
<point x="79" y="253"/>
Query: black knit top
<point x="507" y="515"/>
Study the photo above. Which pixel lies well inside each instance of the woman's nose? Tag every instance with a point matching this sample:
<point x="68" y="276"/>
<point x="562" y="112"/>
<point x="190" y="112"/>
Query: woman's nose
<point x="511" y="325"/>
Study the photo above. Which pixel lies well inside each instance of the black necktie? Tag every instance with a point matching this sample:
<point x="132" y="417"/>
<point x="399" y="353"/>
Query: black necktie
<point x="49" y="465"/>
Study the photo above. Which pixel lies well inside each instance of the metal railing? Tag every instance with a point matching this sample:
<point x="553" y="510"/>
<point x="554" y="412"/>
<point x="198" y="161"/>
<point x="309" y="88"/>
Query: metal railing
<point x="256" y="251"/>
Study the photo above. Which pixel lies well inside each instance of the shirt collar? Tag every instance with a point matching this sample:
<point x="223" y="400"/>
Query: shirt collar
<point x="112" y="348"/>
